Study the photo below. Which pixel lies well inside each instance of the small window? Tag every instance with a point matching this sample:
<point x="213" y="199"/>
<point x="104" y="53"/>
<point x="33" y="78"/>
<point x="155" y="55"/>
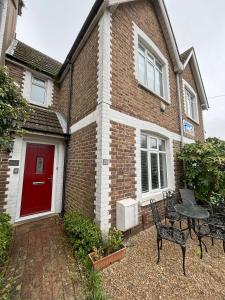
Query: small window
<point x="38" y="91"/>
<point x="191" y="105"/>
<point x="40" y="165"/>
<point x="153" y="164"/>
<point x="150" y="70"/>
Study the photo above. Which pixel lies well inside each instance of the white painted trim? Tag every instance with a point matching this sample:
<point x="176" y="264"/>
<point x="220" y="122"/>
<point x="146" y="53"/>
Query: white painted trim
<point x="197" y="75"/>
<point x="125" y="119"/>
<point x="49" y="88"/>
<point x="91" y="118"/>
<point x="2" y="25"/>
<point x="62" y="122"/>
<point x="186" y="85"/>
<point x="15" y="186"/>
<point x="138" y="34"/>
<point x="102" y="199"/>
<point x="12" y="47"/>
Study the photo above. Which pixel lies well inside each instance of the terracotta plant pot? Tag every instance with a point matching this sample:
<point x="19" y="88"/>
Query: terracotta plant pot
<point x="108" y="260"/>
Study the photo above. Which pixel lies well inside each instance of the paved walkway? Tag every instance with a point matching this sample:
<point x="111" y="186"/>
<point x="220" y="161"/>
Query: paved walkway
<point x="41" y="265"/>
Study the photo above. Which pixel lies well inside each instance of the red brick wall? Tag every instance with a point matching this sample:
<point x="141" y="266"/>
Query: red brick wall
<point x="80" y="179"/>
<point x="84" y="92"/>
<point x="4" y="159"/>
<point x="123" y="165"/>
<point x="16" y="72"/>
<point x="187" y="75"/>
<point x="127" y="96"/>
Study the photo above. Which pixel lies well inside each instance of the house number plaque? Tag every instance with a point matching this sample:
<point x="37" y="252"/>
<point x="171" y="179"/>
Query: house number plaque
<point x="14" y="163"/>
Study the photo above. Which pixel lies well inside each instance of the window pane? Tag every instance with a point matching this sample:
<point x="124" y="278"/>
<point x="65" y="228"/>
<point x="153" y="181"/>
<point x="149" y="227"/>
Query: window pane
<point x="38" y="82"/>
<point x="192" y="108"/>
<point x="158" y="83"/>
<point x="40" y="165"/>
<point x="153" y="143"/>
<point x="158" y="65"/>
<point x="143" y="141"/>
<point x="154" y="171"/>
<point x="141" y="67"/>
<point x="141" y="49"/>
<point x="162" y="145"/>
<point x="144" y="171"/>
<point x="163" y="170"/>
<point x="150" y="76"/>
<point x="37" y="94"/>
<point x="190" y="103"/>
<point x="150" y="57"/>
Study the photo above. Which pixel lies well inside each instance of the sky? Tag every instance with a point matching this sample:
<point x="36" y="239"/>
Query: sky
<point x="52" y="26"/>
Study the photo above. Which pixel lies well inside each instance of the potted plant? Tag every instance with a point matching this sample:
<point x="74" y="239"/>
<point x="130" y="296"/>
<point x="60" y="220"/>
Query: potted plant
<point x="110" y="252"/>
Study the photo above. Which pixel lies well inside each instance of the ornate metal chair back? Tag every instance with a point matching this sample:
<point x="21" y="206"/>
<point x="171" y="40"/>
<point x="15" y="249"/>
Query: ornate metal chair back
<point x="155" y="215"/>
<point x="170" y="200"/>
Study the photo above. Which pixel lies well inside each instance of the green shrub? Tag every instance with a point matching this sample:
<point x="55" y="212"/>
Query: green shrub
<point x="84" y="235"/>
<point x="5" y="236"/>
<point x="115" y="240"/>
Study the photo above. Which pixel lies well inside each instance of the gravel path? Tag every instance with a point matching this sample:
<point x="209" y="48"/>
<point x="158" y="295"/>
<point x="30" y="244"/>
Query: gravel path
<point x="138" y="277"/>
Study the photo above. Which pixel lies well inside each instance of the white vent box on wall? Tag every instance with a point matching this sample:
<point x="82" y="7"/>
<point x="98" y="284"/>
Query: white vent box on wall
<point x="126" y="214"/>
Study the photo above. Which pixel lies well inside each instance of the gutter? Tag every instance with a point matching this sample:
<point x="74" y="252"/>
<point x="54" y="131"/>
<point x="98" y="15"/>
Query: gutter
<point x="69" y="104"/>
<point x="180" y="109"/>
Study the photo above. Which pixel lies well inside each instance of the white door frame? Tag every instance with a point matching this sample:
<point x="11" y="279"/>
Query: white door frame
<point x="44" y="141"/>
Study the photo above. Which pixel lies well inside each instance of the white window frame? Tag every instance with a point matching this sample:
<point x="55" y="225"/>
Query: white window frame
<point x="45" y="88"/>
<point x="188" y="87"/>
<point x="141" y="38"/>
<point x="27" y="85"/>
<point x="150" y="150"/>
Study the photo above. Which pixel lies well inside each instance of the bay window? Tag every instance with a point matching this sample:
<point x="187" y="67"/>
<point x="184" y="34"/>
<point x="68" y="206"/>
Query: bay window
<point x="153" y="163"/>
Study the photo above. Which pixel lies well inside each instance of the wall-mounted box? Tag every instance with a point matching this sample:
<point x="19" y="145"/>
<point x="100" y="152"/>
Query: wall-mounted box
<point x="126" y="214"/>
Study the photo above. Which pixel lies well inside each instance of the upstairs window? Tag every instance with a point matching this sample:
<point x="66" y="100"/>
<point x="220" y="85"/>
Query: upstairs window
<point x="38" y="91"/>
<point x="191" y="104"/>
<point x="153" y="163"/>
<point x="151" y="65"/>
<point x="150" y="70"/>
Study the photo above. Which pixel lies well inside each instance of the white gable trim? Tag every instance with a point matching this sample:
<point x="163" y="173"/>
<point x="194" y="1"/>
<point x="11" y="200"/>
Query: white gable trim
<point x="197" y="75"/>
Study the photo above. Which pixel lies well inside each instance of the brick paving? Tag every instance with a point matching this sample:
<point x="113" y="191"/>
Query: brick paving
<point x="41" y="265"/>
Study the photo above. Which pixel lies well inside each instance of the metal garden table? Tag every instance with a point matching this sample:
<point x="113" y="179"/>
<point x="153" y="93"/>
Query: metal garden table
<point x="193" y="213"/>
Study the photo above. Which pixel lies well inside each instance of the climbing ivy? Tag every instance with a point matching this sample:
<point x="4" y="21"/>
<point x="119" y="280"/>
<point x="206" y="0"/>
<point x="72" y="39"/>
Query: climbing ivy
<point x="14" y="110"/>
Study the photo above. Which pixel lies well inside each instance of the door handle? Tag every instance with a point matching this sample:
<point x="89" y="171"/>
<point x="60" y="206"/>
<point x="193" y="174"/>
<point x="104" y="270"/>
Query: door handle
<point x="38" y="182"/>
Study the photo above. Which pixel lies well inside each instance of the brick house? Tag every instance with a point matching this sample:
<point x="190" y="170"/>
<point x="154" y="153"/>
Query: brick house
<point x="106" y="124"/>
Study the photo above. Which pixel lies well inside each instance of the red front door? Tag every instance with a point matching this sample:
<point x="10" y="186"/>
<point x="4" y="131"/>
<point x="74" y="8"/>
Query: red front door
<point x="37" y="183"/>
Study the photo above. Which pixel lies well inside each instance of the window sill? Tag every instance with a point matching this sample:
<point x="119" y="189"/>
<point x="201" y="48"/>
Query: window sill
<point x="190" y="118"/>
<point x="39" y="105"/>
<point x="141" y="85"/>
<point x="157" y="196"/>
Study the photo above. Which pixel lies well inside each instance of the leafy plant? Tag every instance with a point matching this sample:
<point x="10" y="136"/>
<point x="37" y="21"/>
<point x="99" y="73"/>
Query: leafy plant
<point x="205" y="167"/>
<point x="84" y="235"/>
<point x="14" y="110"/>
<point x="97" y="253"/>
<point x="115" y="240"/>
<point x="5" y="236"/>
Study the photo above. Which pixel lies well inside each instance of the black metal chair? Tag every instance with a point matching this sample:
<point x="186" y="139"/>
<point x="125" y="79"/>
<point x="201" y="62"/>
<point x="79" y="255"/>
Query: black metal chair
<point x="210" y="229"/>
<point x="170" y="200"/>
<point x="169" y="233"/>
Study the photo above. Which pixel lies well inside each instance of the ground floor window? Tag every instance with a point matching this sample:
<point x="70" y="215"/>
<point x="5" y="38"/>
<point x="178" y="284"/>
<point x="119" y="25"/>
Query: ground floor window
<point x="153" y="163"/>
